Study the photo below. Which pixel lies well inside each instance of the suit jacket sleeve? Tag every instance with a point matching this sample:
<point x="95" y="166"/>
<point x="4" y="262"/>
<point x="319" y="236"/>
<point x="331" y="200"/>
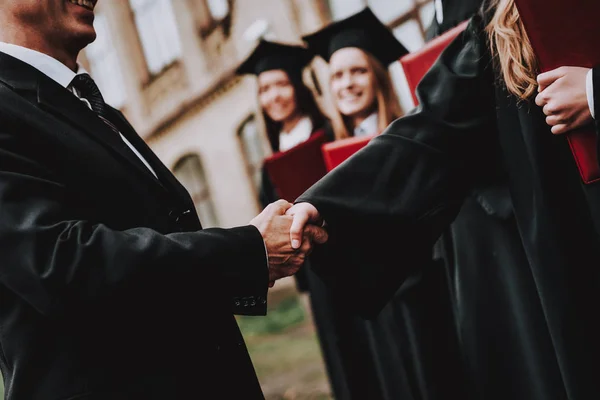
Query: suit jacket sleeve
<point x="386" y="207"/>
<point x="57" y="263"/>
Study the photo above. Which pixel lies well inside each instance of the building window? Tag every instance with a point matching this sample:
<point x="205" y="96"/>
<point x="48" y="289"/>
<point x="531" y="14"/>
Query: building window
<point x="190" y="173"/>
<point x="104" y="64"/>
<point x="341" y="9"/>
<point x="219" y="9"/>
<point x="394" y="13"/>
<point x="410" y="34"/>
<point x="212" y="14"/>
<point x="253" y="147"/>
<point x="157" y="29"/>
<point x="387" y="11"/>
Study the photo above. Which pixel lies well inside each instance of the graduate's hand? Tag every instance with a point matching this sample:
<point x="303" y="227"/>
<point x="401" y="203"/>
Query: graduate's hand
<point x="274" y="226"/>
<point x="562" y="94"/>
<point x="304" y="215"/>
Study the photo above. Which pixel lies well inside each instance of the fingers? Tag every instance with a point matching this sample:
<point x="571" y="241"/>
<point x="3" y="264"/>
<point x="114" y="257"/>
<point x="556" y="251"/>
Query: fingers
<point x="554" y="120"/>
<point x="563" y="98"/>
<point x="541" y="99"/>
<point x="550" y="109"/>
<point x="316" y="234"/>
<point x="560" y="129"/>
<point x="548" y="78"/>
<point x="279" y="207"/>
<point x="302" y="213"/>
<point x="297" y="228"/>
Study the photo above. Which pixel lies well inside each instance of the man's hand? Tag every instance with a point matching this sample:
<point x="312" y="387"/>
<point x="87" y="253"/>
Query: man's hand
<point x="275" y="227"/>
<point x="303" y="213"/>
<point x="562" y="94"/>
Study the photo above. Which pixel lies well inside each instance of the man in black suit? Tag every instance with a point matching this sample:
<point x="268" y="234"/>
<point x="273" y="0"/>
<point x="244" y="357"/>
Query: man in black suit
<point x="109" y="289"/>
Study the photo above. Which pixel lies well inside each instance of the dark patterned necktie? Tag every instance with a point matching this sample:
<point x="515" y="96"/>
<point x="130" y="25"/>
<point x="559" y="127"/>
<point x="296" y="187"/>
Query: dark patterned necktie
<point x="87" y="89"/>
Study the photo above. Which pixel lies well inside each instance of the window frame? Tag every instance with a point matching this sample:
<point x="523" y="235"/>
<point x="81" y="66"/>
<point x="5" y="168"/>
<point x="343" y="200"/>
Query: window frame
<point x="252" y="169"/>
<point x="152" y="76"/>
<point x="204" y="195"/>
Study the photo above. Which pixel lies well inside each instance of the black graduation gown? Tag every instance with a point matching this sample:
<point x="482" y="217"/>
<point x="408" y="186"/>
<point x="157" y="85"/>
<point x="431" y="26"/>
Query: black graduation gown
<point x="480" y="250"/>
<point x="409" y="350"/>
<point x="534" y="331"/>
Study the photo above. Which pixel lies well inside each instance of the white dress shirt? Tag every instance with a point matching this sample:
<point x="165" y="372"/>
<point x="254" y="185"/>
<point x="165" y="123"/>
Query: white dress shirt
<point x="299" y="133"/>
<point x="589" y="88"/>
<point x="59" y="73"/>
<point x="369" y="126"/>
<point x="439" y="11"/>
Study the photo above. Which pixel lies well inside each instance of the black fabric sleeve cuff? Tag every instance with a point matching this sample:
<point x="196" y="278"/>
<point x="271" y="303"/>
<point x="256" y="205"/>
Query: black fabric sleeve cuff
<point x="246" y="272"/>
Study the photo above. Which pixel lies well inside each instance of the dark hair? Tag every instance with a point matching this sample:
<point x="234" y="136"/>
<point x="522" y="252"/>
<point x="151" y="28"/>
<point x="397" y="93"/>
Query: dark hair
<point x="306" y="104"/>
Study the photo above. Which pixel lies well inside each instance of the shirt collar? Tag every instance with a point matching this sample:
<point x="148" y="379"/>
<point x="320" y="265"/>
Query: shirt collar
<point x="439" y="11"/>
<point x="47" y="65"/>
<point x="369" y="126"/>
<point x="296" y="135"/>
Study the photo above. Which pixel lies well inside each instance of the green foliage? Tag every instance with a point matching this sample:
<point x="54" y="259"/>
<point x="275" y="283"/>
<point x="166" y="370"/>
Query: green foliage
<point x="287" y="313"/>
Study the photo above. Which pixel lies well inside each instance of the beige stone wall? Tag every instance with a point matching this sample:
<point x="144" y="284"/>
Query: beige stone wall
<point x="209" y="130"/>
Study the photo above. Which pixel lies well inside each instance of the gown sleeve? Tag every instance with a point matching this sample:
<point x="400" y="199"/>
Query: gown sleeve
<point x="386" y="205"/>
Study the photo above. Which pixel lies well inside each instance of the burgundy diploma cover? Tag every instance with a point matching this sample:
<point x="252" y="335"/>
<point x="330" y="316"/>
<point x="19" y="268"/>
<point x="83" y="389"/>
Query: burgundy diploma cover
<point x="334" y="153"/>
<point x="295" y="170"/>
<point x="417" y="63"/>
<point x="567" y="33"/>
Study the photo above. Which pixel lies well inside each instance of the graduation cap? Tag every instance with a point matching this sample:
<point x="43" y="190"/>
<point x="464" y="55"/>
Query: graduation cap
<point x="363" y="30"/>
<point x="268" y="56"/>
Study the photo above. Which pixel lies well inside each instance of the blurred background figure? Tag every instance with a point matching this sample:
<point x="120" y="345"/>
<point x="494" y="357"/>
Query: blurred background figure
<point x="359" y="49"/>
<point x="290" y="112"/>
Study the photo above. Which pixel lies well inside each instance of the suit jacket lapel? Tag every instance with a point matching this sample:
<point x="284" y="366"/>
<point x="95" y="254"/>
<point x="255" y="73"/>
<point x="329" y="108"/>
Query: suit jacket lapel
<point x="59" y="101"/>
<point x="54" y="98"/>
<point x="163" y="173"/>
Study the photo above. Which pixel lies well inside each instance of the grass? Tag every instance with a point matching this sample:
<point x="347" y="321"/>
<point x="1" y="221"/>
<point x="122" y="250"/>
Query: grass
<point x="284" y="349"/>
<point x="286" y="314"/>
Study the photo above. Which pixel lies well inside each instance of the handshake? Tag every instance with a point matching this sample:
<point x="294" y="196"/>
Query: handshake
<point x="289" y="232"/>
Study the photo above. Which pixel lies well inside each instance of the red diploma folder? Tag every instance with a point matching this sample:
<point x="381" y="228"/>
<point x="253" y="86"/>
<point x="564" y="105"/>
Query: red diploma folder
<point x="567" y="33"/>
<point x="417" y="63"/>
<point x="295" y="170"/>
<point x="334" y="153"/>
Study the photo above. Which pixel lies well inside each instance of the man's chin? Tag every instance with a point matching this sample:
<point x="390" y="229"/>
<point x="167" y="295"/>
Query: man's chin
<point x="82" y="38"/>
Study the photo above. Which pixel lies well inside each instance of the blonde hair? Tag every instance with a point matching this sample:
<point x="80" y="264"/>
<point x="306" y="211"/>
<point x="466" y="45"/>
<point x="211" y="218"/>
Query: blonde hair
<point x="511" y="49"/>
<point x="388" y="106"/>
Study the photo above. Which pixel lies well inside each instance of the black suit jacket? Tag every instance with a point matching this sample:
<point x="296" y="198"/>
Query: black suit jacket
<point x="109" y="287"/>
